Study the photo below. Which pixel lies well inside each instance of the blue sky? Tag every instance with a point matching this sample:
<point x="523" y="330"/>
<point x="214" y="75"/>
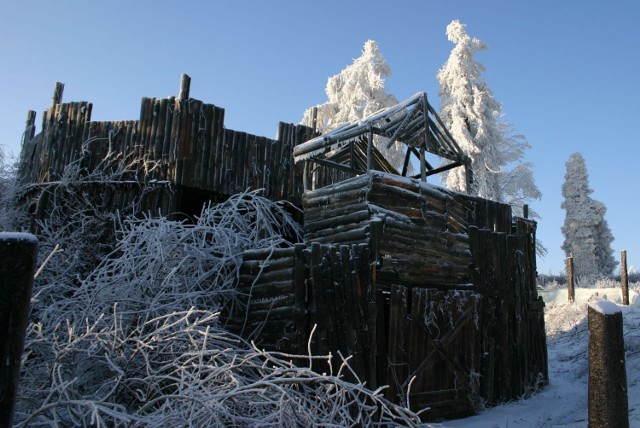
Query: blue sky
<point x="566" y="73"/>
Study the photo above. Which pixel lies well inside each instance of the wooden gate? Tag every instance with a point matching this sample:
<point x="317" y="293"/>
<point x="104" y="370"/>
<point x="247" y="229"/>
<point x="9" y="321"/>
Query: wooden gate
<point x="433" y="350"/>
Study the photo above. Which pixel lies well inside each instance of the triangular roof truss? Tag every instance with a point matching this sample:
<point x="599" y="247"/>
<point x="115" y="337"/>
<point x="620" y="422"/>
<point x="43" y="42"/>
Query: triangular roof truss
<point x="412" y="122"/>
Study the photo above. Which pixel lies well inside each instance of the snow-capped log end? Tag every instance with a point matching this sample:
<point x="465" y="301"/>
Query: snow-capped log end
<point x="605" y="307"/>
<point x="17" y="236"/>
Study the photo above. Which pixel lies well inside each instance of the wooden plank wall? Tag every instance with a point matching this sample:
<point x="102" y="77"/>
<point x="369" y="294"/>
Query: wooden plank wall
<point x="433" y="252"/>
<point x="512" y="329"/>
<point x="458" y="348"/>
<point x="417" y="232"/>
<point x="45" y="155"/>
<point x="408" y="279"/>
<point x="338" y="214"/>
<point x="434" y="350"/>
<point x="182" y="142"/>
<point x="284" y="293"/>
<point x="343" y="307"/>
<point x="272" y="305"/>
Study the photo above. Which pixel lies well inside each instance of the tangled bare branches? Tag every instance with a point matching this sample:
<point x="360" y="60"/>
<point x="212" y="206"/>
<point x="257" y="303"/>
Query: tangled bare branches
<point x="137" y="341"/>
<point x="181" y="369"/>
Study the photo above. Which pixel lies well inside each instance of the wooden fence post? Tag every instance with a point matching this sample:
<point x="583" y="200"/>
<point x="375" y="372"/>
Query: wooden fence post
<point x="624" y="278"/>
<point x="30" y="127"/>
<point x="185" y="86"/>
<point x="570" y="280"/>
<point x="18" y="255"/>
<point x="58" y="89"/>
<point x="608" y="401"/>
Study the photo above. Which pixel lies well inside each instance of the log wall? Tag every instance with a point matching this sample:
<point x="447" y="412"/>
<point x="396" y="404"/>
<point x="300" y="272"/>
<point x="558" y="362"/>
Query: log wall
<point x="180" y="142"/>
<point x="418" y="231"/>
<point x="431" y="292"/>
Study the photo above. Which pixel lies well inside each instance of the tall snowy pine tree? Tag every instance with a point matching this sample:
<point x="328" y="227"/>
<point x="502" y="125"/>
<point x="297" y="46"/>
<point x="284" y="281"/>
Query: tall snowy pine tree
<point x="355" y="93"/>
<point x="473" y="116"/>
<point x="587" y="236"/>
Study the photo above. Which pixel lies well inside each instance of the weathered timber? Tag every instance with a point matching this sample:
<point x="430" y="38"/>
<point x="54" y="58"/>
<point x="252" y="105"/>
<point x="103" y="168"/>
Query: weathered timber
<point x="571" y="290"/>
<point x="624" y="278"/>
<point x="607" y="389"/>
<point x="322" y="224"/>
<point x="18" y="257"/>
<point x="418" y="284"/>
<point x="266" y="255"/>
<point x="269" y="276"/>
<point x="176" y="140"/>
<point x="185" y="85"/>
<point x="322" y="212"/>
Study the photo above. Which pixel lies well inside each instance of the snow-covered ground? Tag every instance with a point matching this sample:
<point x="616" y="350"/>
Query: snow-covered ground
<point x="563" y="403"/>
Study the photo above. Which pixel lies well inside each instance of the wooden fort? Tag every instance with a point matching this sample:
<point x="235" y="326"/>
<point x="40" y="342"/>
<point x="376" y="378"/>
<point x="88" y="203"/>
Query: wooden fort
<point x="430" y="292"/>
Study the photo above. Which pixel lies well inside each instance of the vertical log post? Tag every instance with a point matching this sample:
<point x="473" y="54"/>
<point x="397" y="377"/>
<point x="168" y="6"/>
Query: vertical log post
<point x="305" y="176"/>
<point x="608" y="401"/>
<point x="624" y="278"/>
<point x="370" y="149"/>
<point x="570" y="280"/>
<point x="185" y="86"/>
<point x="525" y="211"/>
<point x="18" y="255"/>
<point x="423" y="165"/>
<point x="30" y="127"/>
<point x="58" y="89"/>
<point x="314" y="118"/>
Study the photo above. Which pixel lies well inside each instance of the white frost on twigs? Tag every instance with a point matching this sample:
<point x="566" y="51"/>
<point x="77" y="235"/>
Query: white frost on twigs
<point x="138" y="341"/>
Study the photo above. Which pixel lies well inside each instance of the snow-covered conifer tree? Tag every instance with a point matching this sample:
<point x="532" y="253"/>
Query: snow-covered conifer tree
<point x="473" y="116"/>
<point x="355" y="93"/>
<point x="11" y="214"/>
<point x="587" y="237"/>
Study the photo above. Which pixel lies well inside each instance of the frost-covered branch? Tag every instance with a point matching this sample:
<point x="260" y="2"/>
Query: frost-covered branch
<point x="137" y="341"/>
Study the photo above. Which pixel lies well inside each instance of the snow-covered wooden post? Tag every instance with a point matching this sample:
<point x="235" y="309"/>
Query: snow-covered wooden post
<point x="18" y="255"/>
<point x="570" y="280"/>
<point x="608" y="401"/>
<point x="624" y="278"/>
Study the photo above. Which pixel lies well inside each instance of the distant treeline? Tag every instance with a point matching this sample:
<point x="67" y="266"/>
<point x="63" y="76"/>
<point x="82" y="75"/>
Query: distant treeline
<point x="545" y="280"/>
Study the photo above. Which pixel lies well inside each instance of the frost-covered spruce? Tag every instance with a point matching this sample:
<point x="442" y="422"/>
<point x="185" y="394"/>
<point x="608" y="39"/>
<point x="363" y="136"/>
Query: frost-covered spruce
<point x="355" y="93"/>
<point x="587" y="237"/>
<point x="11" y="214"/>
<point x="472" y="114"/>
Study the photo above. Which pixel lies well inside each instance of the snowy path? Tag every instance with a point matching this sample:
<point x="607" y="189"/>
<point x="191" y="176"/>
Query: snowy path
<point x="563" y="403"/>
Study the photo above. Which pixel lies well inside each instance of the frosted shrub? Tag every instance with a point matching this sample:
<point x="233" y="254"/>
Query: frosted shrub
<point x="138" y="342"/>
<point x="606" y="283"/>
